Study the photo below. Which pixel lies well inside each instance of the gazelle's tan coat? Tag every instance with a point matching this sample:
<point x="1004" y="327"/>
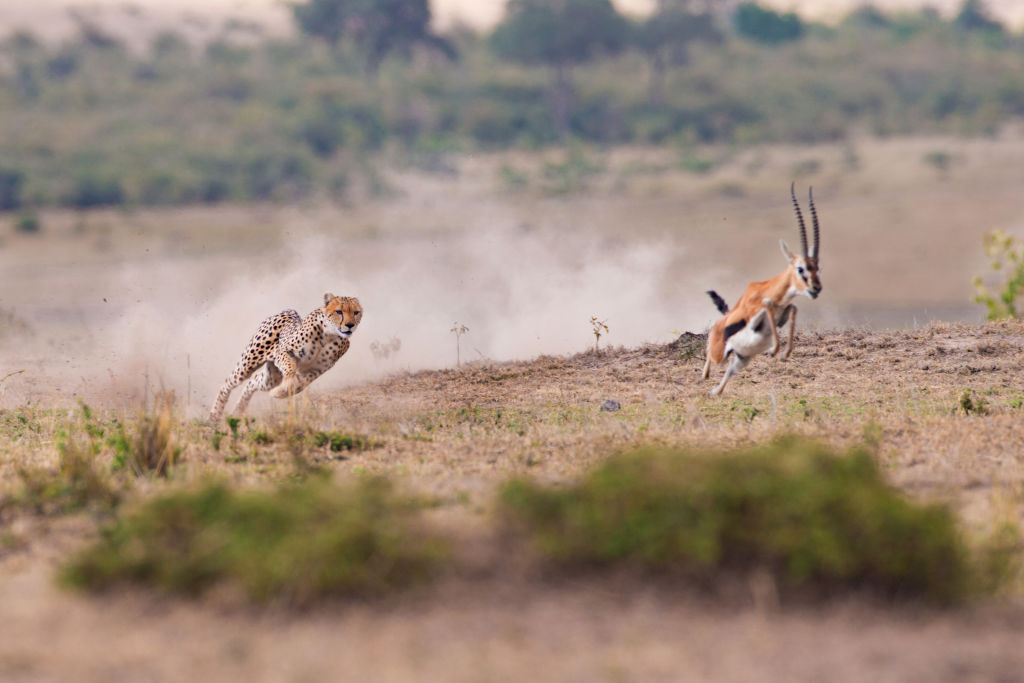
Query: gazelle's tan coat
<point x="775" y="294"/>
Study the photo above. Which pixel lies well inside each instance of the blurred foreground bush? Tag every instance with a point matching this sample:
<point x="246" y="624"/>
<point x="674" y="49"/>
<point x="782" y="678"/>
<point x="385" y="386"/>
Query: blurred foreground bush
<point x="296" y="544"/>
<point x="813" y="518"/>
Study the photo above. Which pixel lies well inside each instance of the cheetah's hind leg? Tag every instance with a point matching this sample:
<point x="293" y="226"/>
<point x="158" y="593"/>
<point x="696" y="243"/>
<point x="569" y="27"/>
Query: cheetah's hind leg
<point x="264" y="379"/>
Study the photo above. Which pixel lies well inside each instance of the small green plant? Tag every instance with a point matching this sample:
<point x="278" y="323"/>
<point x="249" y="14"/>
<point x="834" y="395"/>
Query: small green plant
<point x="233" y="423"/>
<point x="458" y="330"/>
<point x="338" y="441"/>
<point x="297" y="544"/>
<point x="598" y="328"/>
<point x="813" y="518"/>
<point x="512" y="178"/>
<point x="940" y="161"/>
<point x="970" y="403"/>
<point x="1007" y="256"/>
<point x="872" y="434"/>
<point x="27" y="222"/>
<point x="696" y="164"/>
<point x="571" y="175"/>
<point x="261" y="437"/>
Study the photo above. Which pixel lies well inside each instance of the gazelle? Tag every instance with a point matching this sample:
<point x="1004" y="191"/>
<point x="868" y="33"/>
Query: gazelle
<point x="742" y="332"/>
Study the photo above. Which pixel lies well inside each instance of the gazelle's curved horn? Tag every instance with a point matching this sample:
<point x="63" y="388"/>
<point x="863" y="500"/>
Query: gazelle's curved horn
<point x="799" y="218"/>
<point x="814" y="220"/>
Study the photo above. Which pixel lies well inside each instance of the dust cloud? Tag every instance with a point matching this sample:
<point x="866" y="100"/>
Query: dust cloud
<point x="181" y="323"/>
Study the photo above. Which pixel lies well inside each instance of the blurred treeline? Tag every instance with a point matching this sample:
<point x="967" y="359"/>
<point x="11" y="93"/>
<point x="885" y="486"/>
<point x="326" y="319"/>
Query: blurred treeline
<point x="92" y="122"/>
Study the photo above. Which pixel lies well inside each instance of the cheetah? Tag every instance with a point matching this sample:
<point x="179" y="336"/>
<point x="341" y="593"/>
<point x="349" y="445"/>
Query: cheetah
<point x="288" y="352"/>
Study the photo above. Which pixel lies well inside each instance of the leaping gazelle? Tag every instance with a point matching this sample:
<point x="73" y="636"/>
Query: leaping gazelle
<point x="742" y="332"/>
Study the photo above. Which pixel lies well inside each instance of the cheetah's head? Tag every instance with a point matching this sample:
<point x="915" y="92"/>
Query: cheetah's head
<point x="343" y="314"/>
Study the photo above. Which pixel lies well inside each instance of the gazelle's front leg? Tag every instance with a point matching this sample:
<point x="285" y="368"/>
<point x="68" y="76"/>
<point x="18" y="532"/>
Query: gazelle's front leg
<point x="770" y="307"/>
<point x="792" y="331"/>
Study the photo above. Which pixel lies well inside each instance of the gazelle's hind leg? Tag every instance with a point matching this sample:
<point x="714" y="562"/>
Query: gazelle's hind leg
<point x="736" y="364"/>
<point x="264" y="379"/>
<point x="747" y="338"/>
<point x="707" y="365"/>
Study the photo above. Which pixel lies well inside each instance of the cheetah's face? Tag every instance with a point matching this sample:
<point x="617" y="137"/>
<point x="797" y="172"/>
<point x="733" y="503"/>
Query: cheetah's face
<point x="343" y="314"/>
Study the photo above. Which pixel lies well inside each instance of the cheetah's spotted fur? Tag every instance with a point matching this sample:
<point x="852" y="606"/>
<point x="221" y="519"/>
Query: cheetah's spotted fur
<point x="288" y="352"/>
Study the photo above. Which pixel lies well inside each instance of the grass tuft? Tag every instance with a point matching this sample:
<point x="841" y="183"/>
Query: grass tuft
<point x="151" y="448"/>
<point x="78" y="482"/>
<point x="812" y="518"/>
<point x="298" y="543"/>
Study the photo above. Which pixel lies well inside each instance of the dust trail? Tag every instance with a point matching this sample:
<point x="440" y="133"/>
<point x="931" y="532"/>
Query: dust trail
<point x="181" y="322"/>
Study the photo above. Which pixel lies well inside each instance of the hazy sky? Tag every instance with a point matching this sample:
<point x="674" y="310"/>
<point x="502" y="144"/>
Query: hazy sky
<point x="50" y="15"/>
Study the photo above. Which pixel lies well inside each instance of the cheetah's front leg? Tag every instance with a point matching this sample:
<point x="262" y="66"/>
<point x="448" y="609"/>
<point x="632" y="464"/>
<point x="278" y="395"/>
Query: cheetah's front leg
<point x="265" y="379"/>
<point x="291" y="382"/>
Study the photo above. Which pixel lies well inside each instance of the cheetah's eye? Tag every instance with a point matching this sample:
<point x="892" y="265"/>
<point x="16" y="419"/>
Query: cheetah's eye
<point x="357" y="312"/>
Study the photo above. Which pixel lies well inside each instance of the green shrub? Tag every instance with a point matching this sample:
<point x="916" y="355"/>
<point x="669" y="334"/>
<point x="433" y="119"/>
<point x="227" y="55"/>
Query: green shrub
<point x="813" y="518"/>
<point x="1003" y="250"/>
<point x="298" y="543"/>
<point x="90" y="190"/>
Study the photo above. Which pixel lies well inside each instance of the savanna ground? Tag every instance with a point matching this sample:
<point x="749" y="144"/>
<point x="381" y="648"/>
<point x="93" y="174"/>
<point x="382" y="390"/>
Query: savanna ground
<point x="109" y="308"/>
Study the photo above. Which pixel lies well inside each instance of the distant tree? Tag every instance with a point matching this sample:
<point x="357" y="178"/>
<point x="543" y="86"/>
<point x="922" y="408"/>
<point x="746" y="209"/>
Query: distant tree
<point x="92" y="34"/>
<point x="324" y="19"/>
<point x="767" y="26"/>
<point x="974" y="16"/>
<point x="665" y="37"/>
<point x="376" y="27"/>
<point x="25" y="53"/>
<point x="560" y="34"/>
<point x="11" y="183"/>
<point x="867" y="17"/>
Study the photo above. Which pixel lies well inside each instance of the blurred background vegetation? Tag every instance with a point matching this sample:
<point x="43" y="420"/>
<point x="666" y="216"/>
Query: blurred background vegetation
<point x="91" y="122"/>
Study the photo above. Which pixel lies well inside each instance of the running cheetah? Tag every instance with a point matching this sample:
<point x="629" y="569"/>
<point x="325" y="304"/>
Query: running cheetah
<point x="288" y="352"/>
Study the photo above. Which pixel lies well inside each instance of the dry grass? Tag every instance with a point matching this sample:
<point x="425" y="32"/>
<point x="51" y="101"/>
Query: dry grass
<point x="458" y="434"/>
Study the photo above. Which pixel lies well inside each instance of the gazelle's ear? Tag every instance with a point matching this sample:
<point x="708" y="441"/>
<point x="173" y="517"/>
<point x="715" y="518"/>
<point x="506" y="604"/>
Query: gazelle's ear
<point x="327" y="298"/>
<point x="785" y="250"/>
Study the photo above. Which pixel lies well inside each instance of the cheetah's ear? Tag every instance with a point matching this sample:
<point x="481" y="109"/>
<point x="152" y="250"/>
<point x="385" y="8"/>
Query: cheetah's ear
<point x="327" y="298"/>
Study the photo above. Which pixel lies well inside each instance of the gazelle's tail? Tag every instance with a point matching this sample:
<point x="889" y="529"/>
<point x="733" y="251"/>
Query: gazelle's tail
<point x="723" y="307"/>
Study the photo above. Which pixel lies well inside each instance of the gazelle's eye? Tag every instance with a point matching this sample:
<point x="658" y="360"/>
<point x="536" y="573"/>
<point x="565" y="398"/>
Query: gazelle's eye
<point x="800" y="270"/>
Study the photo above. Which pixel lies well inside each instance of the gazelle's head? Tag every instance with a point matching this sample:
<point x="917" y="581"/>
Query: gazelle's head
<point x="804" y="267"/>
